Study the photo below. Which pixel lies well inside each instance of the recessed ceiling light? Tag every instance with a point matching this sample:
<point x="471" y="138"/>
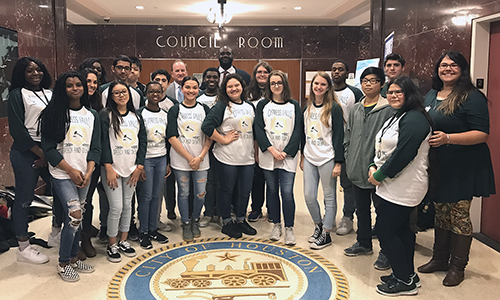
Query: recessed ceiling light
<point x="297" y="7"/>
<point x="391" y="8"/>
<point x="43" y="6"/>
<point x="139" y="7"/>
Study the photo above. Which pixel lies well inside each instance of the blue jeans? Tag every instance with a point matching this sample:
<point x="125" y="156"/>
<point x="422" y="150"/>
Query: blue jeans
<point x="72" y="200"/>
<point x="120" y="204"/>
<point x="280" y="180"/>
<point x="199" y="179"/>
<point x="26" y="178"/>
<point x="149" y="192"/>
<point x="312" y="175"/>
<point x="242" y="177"/>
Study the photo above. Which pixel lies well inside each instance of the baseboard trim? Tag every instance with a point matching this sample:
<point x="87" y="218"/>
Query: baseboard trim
<point x="483" y="238"/>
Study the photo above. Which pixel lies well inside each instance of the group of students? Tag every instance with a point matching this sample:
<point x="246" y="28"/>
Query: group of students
<point x="133" y="139"/>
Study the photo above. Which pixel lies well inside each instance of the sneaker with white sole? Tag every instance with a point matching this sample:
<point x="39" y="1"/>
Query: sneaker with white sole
<point x="126" y="249"/>
<point x="82" y="267"/>
<point x="67" y="273"/>
<point x="32" y="255"/>
<point x="113" y="253"/>
<point x="321" y="242"/>
<point x="396" y="287"/>
<point x="414" y="277"/>
<point x="155" y="235"/>
<point x="205" y="221"/>
<point x="54" y="240"/>
<point x="289" y="237"/>
<point x="276" y="232"/>
<point x="382" y="263"/>
<point x="318" y="229"/>
<point x="345" y="226"/>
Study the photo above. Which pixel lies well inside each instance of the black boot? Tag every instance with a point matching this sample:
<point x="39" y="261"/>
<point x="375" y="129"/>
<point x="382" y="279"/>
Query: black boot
<point x="460" y="248"/>
<point x="441" y="252"/>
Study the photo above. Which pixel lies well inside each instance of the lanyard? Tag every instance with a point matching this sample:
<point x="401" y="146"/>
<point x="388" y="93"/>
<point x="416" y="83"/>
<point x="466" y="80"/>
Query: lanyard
<point x="391" y="122"/>
<point x="46" y="102"/>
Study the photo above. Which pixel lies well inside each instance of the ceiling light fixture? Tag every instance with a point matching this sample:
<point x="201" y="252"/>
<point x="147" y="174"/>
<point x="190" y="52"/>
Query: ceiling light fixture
<point x="391" y="8"/>
<point x="43" y="6"/>
<point x="297" y="7"/>
<point x="219" y="16"/>
<point x="139" y="7"/>
<point x="463" y="18"/>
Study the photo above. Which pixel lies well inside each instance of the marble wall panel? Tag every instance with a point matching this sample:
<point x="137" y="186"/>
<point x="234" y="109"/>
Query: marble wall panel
<point x="354" y="44"/>
<point x="116" y="40"/>
<point x="7" y="14"/>
<point x="320" y="41"/>
<point x="34" y="20"/>
<point x="403" y="19"/>
<point x="290" y="49"/>
<point x="41" y="48"/>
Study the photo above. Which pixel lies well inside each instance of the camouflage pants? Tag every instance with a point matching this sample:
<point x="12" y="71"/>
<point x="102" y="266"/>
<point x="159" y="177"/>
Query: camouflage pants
<point x="454" y="217"/>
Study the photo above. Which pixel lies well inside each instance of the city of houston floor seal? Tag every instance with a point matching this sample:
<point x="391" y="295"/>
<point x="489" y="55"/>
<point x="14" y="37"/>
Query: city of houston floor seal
<point x="229" y="269"/>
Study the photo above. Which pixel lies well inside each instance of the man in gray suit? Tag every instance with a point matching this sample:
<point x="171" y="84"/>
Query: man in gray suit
<point x="179" y="71"/>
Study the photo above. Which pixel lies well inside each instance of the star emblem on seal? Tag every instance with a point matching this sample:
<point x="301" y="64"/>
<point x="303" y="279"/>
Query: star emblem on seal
<point x="227" y="256"/>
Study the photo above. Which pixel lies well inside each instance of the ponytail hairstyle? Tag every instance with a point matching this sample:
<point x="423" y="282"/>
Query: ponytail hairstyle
<point x="54" y="119"/>
<point x="116" y="117"/>
<point x="329" y="98"/>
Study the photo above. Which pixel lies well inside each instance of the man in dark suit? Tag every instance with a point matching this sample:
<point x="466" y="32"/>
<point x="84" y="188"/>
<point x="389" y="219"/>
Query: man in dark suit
<point x="226" y="65"/>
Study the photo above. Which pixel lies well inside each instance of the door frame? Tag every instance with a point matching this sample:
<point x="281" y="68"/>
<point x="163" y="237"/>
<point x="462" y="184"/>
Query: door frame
<point x="479" y="61"/>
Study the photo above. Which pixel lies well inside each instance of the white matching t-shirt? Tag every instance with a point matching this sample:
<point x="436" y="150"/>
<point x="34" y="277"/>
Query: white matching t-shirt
<point x="34" y="102"/>
<point x="318" y="149"/>
<point x="156" y="129"/>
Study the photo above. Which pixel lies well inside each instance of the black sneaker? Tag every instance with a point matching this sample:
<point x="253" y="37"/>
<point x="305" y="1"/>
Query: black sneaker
<point x="133" y="233"/>
<point x="321" y="242"/>
<point x="144" y="241"/>
<point x="113" y="254"/>
<point x="414" y="277"/>
<point x="160" y="238"/>
<point x="126" y="249"/>
<point x="382" y="263"/>
<point x="171" y="215"/>
<point x="396" y="287"/>
<point x="357" y="249"/>
<point x="246" y="228"/>
<point x="231" y="229"/>
<point x="254" y="216"/>
<point x="318" y="228"/>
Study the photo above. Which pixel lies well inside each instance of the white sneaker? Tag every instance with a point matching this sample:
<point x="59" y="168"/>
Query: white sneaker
<point x="204" y="221"/>
<point x="345" y="226"/>
<point x="31" y="255"/>
<point x="54" y="240"/>
<point x="289" y="237"/>
<point x="163" y="226"/>
<point x="276" y="233"/>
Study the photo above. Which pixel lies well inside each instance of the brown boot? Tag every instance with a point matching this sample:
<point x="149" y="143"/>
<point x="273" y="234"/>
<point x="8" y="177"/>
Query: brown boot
<point x="460" y="248"/>
<point x="86" y="245"/>
<point x="441" y="252"/>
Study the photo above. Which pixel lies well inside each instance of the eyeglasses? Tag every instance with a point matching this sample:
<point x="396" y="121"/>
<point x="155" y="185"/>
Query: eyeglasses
<point x="396" y="92"/>
<point x="120" y="93"/>
<point x="154" y="92"/>
<point x="372" y="81"/>
<point x="277" y="84"/>
<point x="121" y="68"/>
<point x="446" y="66"/>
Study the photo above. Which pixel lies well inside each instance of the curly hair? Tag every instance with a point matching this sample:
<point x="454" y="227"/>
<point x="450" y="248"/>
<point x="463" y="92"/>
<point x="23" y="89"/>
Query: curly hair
<point x="19" y="79"/>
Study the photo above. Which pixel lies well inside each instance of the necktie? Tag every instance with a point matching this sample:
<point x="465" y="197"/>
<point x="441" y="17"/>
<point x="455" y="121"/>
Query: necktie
<point x="180" y="95"/>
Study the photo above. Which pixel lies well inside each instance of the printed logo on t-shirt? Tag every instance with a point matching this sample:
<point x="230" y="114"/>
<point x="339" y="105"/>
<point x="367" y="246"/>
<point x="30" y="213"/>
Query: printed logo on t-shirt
<point x="156" y="133"/>
<point x="77" y="134"/>
<point x="314" y="130"/>
<point x="279" y="125"/>
<point x="128" y="138"/>
<point x="189" y="129"/>
<point x="245" y="124"/>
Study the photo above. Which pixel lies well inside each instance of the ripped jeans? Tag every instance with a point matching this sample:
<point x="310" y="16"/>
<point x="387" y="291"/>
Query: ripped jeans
<point x="199" y="189"/>
<point x="73" y="202"/>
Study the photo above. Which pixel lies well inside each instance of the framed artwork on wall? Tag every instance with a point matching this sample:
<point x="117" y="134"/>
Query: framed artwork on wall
<point x="8" y="58"/>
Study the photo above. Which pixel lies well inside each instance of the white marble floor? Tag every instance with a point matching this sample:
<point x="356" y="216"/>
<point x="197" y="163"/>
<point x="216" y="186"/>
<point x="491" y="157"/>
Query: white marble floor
<point x="24" y="281"/>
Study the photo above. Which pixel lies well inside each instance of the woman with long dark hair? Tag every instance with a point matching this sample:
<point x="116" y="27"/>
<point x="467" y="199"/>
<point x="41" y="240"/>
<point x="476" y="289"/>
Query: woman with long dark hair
<point x="29" y="94"/>
<point x="96" y="65"/>
<point x="124" y="143"/>
<point x="322" y="155"/>
<point x="71" y="143"/>
<point x="255" y="93"/>
<point x="189" y="148"/>
<point x="400" y="174"/>
<point x="461" y="121"/>
<point x="278" y="131"/>
<point x="230" y="124"/>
